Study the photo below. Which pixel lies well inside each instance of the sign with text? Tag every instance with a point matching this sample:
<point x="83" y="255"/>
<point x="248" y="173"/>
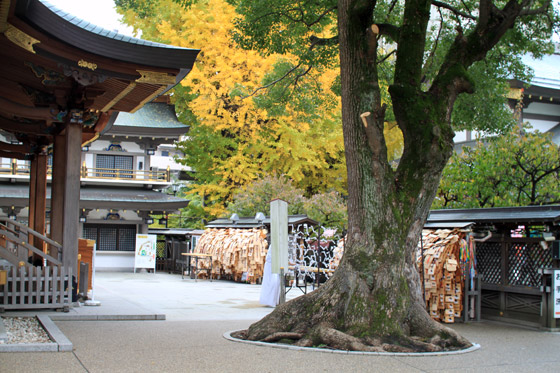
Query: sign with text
<point x="145" y="253"/>
<point x="556" y="290"/>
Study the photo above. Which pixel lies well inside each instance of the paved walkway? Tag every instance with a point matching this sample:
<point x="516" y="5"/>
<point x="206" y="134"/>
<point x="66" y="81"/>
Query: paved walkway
<point x="198" y="313"/>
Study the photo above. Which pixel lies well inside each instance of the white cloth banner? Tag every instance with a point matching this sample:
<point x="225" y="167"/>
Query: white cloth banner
<point x="270" y="290"/>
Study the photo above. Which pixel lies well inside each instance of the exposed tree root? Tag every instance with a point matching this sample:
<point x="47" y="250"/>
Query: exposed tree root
<point x="289" y="323"/>
<point x="341" y="341"/>
<point x="274" y="337"/>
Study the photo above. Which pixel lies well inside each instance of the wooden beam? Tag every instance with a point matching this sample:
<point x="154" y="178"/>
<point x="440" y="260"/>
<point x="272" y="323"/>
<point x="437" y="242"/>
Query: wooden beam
<point x="148" y="99"/>
<point x="119" y="97"/>
<point x="11" y="108"/>
<point x="23" y="148"/>
<point x="39" y="129"/>
<point x="11" y="155"/>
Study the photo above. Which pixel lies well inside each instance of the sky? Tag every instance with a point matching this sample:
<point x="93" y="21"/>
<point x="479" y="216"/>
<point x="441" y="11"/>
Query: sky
<point x="99" y="12"/>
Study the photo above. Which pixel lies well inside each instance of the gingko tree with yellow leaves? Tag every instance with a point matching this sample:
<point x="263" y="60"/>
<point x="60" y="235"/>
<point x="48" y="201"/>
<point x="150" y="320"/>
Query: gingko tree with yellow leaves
<point x="240" y="131"/>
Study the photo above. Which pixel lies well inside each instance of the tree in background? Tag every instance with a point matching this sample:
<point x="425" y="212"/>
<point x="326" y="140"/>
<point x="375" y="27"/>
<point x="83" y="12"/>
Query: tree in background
<point x="256" y="196"/>
<point x="238" y="134"/>
<point x="327" y="208"/>
<point x="511" y="170"/>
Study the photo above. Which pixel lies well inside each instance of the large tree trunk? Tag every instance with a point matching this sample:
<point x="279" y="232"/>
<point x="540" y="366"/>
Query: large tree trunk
<point x="374" y="301"/>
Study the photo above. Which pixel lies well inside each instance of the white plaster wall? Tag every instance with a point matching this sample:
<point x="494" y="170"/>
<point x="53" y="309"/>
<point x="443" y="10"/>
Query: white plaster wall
<point x="162" y="163"/>
<point x="99" y="145"/>
<point x="89" y="160"/>
<point x="128" y="215"/>
<point x="114" y="261"/>
<point x="130" y="146"/>
<point x="140" y="159"/>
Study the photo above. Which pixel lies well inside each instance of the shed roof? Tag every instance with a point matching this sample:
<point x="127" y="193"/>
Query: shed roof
<point x="525" y="214"/>
<point x="251" y="222"/>
<point x="101" y="198"/>
<point x="177" y="232"/>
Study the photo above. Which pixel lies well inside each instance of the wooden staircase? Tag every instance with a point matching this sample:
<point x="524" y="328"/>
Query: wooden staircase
<point x="26" y="285"/>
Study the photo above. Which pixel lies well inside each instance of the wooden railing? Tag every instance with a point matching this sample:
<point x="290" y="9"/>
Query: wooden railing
<point x="36" y="287"/>
<point x="15" y="169"/>
<point x="15" y="246"/>
<point x="120" y="174"/>
<point x="47" y="285"/>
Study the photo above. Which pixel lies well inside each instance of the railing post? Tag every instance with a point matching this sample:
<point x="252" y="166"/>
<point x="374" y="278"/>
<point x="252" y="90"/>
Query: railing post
<point x="84" y="170"/>
<point x="168" y="174"/>
<point x="14" y="166"/>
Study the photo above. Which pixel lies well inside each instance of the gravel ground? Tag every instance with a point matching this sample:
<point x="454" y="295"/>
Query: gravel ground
<point x="24" y="330"/>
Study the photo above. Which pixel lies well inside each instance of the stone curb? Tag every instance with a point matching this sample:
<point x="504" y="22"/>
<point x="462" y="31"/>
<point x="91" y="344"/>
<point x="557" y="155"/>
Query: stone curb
<point x="146" y="317"/>
<point x="64" y="344"/>
<point x="227" y="335"/>
<point x="3" y="332"/>
<point x="29" y="347"/>
<point x="61" y="342"/>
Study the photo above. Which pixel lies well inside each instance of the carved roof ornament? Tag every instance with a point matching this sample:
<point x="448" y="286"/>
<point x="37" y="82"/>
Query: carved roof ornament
<point x="83" y="77"/>
<point x="50" y="77"/>
<point x="153" y="77"/>
<point x="20" y="38"/>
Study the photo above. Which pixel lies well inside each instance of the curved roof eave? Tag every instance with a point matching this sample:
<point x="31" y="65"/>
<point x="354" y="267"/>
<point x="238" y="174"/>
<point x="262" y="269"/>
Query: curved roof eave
<point x="78" y="33"/>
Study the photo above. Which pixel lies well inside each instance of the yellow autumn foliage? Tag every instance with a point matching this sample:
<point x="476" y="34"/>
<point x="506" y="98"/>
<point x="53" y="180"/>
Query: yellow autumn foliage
<point x="305" y="145"/>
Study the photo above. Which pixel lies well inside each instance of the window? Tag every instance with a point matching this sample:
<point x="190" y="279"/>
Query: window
<point x="114" y="166"/>
<point x="165" y="153"/>
<point x="111" y="237"/>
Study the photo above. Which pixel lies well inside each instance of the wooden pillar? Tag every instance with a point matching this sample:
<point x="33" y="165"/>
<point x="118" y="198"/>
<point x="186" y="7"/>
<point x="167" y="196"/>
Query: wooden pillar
<point x="57" y="188"/>
<point x="65" y="211"/>
<point x="38" y="198"/>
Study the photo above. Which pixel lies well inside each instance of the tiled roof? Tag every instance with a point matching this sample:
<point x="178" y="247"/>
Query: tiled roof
<point x="101" y="31"/>
<point x="250" y="222"/>
<point x="151" y="115"/>
<point x="547" y="70"/>
<point x="525" y="214"/>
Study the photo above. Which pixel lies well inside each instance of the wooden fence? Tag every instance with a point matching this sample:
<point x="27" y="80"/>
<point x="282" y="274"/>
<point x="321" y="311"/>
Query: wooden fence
<point x="37" y="287"/>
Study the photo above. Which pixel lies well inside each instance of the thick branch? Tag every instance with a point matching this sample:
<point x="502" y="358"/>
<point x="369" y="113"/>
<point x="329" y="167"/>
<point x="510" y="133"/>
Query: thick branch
<point x="458" y="12"/>
<point x="412" y="41"/>
<point x="315" y="41"/>
<point x="389" y="30"/>
<point x="492" y="24"/>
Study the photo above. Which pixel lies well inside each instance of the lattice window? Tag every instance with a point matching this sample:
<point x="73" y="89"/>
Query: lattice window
<point x="107" y="239"/>
<point x="488" y="260"/>
<point x="111" y="238"/>
<point x="90" y="233"/>
<point x="524" y="262"/>
<point x="160" y="249"/>
<point x="127" y="238"/>
<point x="117" y="164"/>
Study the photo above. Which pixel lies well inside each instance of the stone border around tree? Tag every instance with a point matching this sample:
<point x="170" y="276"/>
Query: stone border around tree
<point x="227" y="335"/>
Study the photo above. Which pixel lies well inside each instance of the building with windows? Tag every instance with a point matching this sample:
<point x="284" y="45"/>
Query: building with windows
<point x="126" y="174"/>
<point x="537" y="102"/>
